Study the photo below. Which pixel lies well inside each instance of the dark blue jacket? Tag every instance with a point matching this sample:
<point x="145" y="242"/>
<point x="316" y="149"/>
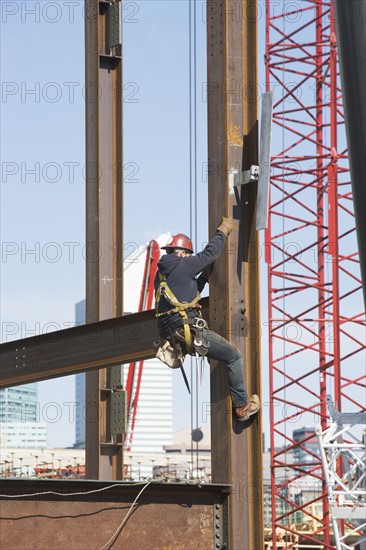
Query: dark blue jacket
<point x="181" y="276"/>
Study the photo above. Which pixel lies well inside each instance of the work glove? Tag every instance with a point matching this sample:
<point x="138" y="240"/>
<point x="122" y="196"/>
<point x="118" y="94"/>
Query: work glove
<point x="226" y="226"/>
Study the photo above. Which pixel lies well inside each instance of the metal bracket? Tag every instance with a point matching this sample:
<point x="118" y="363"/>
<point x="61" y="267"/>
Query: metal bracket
<point x="221" y="524"/>
<point x="248" y="176"/>
<point x="261" y="173"/>
<point x="118" y="412"/>
<point x="115" y="377"/>
<point x="114" y="26"/>
<point x="264" y="161"/>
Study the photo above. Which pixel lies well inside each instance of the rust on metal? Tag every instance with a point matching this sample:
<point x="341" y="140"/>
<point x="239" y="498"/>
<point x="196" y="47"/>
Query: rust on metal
<point x="166" y="516"/>
<point x="87" y="347"/>
<point x="234" y="285"/>
<point x="104" y="219"/>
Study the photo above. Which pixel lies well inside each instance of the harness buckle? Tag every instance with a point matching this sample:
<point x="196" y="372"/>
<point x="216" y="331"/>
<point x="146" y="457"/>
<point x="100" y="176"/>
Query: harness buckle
<point x="199" y="323"/>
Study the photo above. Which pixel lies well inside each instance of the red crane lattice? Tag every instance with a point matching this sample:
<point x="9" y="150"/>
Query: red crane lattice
<point x="316" y="316"/>
<point x="134" y="375"/>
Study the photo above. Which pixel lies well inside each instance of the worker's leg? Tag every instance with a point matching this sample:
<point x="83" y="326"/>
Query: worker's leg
<point x="222" y="350"/>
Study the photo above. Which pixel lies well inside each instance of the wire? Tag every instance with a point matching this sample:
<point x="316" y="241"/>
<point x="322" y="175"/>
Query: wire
<point x="190" y="185"/>
<point x="193" y="192"/>
<point x="195" y="117"/>
<point x="67" y="494"/>
<point x="109" y="543"/>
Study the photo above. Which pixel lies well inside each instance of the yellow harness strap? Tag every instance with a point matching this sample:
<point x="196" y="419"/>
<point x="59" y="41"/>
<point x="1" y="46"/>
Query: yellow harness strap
<point x="179" y="307"/>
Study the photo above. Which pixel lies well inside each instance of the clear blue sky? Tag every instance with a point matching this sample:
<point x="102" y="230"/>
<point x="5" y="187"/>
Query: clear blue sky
<point x="42" y="155"/>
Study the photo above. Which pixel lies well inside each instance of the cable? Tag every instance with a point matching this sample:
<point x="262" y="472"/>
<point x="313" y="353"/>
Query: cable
<point x="193" y="194"/>
<point x="123" y="523"/>
<point x="195" y="184"/>
<point x="190" y="186"/>
<point x="67" y="494"/>
<point x="195" y="117"/>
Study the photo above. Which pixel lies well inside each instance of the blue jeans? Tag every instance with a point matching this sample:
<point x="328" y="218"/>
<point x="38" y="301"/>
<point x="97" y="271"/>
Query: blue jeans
<point x="222" y="350"/>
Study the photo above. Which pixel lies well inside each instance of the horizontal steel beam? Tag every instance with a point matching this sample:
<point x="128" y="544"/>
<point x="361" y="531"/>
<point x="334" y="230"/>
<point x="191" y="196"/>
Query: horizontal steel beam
<point x="86" y="347"/>
<point x="86" y="490"/>
<point x="166" y="515"/>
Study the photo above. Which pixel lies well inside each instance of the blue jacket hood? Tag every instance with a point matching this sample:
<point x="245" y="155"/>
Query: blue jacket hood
<point x="167" y="263"/>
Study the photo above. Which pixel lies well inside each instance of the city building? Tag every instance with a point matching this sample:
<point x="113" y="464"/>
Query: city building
<point x="153" y="427"/>
<point x="19" y="418"/>
<point x="306" y="452"/>
<point x="303" y="491"/>
<point x="80" y="388"/>
<point x="188" y="457"/>
<point x="23" y="435"/>
<point x="19" y="404"/>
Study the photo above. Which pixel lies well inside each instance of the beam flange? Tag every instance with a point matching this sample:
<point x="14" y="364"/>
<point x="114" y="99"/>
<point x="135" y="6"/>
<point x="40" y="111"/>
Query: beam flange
<point x="83" y="348"/>
<point x="167" y="515"/>
<point x="350" y="20"/>
<point x="104" y="215"/>
<point x="234" y="284"/>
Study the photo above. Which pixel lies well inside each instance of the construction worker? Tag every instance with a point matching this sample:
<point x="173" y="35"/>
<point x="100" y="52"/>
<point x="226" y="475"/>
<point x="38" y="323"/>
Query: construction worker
<point x="177" y="286"/>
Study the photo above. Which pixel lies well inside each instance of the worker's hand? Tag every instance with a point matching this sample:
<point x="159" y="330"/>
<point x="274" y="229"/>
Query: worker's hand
<point x="226" y="226"/>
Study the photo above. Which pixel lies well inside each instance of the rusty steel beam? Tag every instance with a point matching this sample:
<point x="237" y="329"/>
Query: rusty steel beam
<point x="104" y="217"/>
<point x="167" y="515"/>
<point x="234" y="285"/>
<point x="87" y="347"/>
<point x="350" y="20"/>
<point x="83" y="348"/>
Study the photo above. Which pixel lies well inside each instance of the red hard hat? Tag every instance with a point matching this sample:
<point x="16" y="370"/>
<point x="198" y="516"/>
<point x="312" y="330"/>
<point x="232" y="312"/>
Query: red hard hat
<point x="179" y="241"/>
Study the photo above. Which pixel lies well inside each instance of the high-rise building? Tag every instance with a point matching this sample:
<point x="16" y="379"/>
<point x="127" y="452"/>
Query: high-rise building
<point x="307" y="451"/>
<point x="23" y="435"/>
<point x="19" y="404"/>
<point x="80" y="388"/>
<point x="19" y="418"/>
<point x="154" y="418"/>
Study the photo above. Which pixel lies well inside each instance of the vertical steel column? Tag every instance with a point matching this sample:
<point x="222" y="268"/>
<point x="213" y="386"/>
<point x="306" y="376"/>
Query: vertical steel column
<point x="104" y="201"/>
<point x="234" y="285"/>
<point x="350" y="18"/>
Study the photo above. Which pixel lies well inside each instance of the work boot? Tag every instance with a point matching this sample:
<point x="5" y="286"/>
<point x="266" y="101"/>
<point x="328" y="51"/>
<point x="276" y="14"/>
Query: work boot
<point x="243" y="413"/>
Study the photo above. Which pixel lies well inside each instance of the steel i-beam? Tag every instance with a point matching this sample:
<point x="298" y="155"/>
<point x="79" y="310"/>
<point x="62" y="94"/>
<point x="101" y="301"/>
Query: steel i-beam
<point x="234" y="285"/>
<point x="104" y="211"/>
<point x="88" y="347"/>
<point x="350" y="19"/>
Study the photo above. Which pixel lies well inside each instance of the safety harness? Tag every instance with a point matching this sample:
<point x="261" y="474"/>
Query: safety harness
<point x="173" y="350"/>
<point x="178" y="307"/>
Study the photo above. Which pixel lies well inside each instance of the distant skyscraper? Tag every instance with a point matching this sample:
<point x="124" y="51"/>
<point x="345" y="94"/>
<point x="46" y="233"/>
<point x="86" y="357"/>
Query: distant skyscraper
<point x="80" y="388"/>
<point x="19" y="418"/>
<point x="19" y="404"/>
<point x="154" y="419"/>
<point x="23" y="435"/>
<point x="309" y="444"/>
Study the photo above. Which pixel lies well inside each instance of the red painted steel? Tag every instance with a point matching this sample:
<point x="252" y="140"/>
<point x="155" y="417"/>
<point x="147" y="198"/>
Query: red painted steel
<point x="133" y="384"/>
<point x="316" y="317"/>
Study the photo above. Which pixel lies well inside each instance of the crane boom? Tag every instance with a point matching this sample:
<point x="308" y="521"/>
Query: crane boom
<point x="135" y="369"/>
